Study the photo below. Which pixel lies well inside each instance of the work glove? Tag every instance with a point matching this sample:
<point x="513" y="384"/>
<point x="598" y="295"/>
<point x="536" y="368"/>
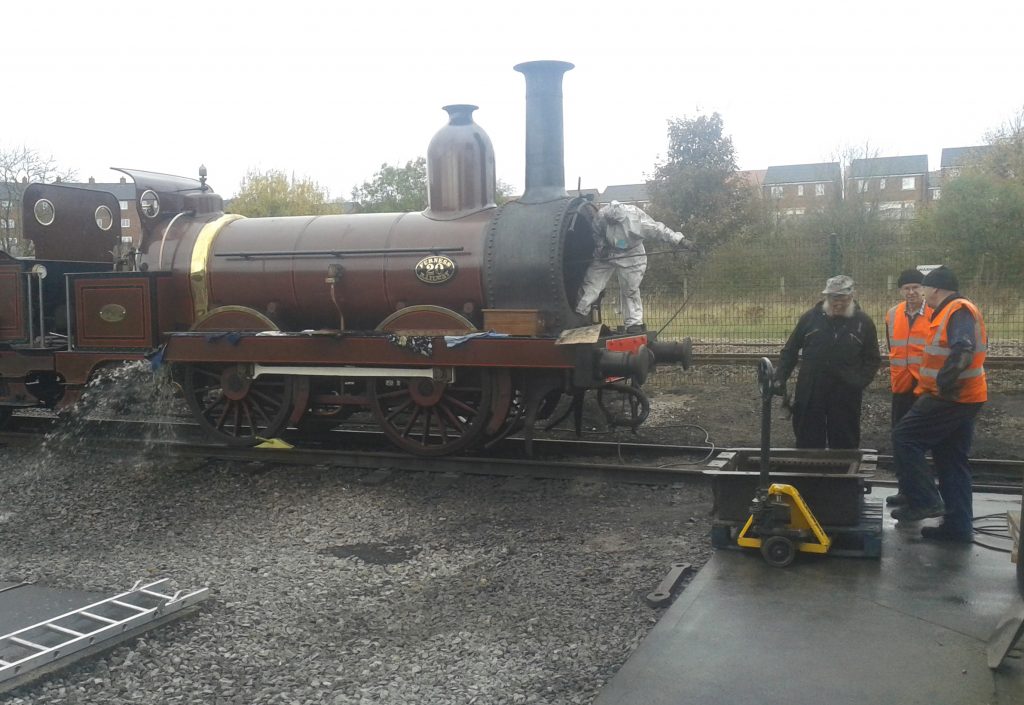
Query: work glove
<point x="684" y="244"/>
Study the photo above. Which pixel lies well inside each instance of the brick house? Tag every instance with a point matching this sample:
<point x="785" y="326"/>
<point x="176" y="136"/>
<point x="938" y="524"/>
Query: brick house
<point x="753" y="179"/>
<point x="633" y="194"/>
<point x="895" y="186"/>
<point x="954" y="161"/>
<point x="592" y="193"/>
<point x="796" y="189"/>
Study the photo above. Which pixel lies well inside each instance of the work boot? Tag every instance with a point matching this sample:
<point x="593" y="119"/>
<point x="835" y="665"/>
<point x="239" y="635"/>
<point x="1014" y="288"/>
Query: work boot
<point x="942" y="532"/>
<point x="636" y="329"/>
<point x="908" y="513"/>
<point x="896" y="500"/>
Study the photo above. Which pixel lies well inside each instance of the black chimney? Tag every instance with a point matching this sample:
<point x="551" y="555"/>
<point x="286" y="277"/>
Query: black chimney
<point x="545" y="145"/>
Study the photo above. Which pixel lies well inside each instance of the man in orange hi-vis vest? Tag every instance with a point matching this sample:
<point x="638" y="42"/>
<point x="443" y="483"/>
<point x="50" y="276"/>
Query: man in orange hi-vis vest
<point x="951" y="391"/>
<point x="906" y="327"/>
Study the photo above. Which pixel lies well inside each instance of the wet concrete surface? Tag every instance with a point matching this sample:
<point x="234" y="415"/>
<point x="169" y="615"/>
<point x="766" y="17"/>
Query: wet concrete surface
<point x="911" y="627"/>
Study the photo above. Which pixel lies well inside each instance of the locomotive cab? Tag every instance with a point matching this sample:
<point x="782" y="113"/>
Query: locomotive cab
<point x="79" y="304"/>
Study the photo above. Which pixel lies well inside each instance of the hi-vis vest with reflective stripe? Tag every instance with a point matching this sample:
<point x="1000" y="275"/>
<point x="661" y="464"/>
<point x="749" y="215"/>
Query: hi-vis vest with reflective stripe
<point x="971" y="385"/>
<point x="906" y="346"/>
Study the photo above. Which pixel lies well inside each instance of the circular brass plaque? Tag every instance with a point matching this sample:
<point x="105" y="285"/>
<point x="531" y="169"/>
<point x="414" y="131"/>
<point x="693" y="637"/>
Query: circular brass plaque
<point x="113" y="313"/>
<point x="436" y="269"/>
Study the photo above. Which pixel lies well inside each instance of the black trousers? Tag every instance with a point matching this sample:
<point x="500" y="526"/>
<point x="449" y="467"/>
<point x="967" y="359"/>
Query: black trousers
<point x="826" y="414"/>
<point x="901" y="403"/>
<point x="946" y="428"/>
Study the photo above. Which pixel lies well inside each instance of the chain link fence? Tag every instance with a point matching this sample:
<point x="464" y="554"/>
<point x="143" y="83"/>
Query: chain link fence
<point x="746" y="296"/>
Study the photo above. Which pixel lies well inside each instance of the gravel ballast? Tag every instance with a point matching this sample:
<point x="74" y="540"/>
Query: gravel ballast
<point x="330" y="587"/>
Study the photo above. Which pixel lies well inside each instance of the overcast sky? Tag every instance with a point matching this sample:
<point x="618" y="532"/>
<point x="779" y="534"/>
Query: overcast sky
<point x="332" y="90"/>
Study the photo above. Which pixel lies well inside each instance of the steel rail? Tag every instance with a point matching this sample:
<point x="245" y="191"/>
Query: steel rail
<point x="991" y="474"/>
<point x="751" y="358"/>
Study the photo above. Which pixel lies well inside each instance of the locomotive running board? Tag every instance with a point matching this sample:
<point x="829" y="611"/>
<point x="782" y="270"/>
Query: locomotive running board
<point x="441" y="374"/>
<point x="28" y="653"/>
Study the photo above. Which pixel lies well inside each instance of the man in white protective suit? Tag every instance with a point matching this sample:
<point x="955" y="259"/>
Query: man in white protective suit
<point x="621" y="230"/>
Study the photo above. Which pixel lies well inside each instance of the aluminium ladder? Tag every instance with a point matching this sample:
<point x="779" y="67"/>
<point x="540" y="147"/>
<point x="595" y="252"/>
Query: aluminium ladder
<point x="54" y="639"/>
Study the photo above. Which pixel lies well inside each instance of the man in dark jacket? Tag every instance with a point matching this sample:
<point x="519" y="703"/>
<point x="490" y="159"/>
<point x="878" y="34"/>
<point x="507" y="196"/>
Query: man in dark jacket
<point x="839" y="346"/>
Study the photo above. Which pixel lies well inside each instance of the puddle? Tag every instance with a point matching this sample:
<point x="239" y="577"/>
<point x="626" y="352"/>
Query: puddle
<point x="373" y="553"/>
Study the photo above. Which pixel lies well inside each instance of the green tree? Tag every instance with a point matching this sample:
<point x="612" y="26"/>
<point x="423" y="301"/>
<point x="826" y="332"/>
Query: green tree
<point x="503" y="192"/>
<point x="394" y="189"/>
<point x="696" y="187"/>
<point x="274" y="193"/>
<point x="19" y="167"/>
<point x="696" y="190"/>
<point x="978" y="228"/>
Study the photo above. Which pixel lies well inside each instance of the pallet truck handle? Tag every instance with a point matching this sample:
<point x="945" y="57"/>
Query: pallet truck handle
<point x="765" y="375"/>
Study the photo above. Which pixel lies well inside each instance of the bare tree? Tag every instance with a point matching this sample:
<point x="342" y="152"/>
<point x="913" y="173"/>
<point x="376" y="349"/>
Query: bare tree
<point x="1006" y="157"/>
<point x="19" y="167"/>
<point x="847" y="154"/>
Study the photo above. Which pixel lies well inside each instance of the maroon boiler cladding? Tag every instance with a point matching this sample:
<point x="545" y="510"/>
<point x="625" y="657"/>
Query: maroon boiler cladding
<point x="462" y="253"/>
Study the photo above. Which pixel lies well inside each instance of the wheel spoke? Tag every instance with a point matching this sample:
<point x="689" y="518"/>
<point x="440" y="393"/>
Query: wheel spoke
<point x="456" y="422"/>
<point x="263" y="396"/>
<point x="458" y="403"/>
<point x="412" y="420"/>
<point x="263" y="409"/>
<point x="222" y="419"/>
<point x="441" y="427"/>
<point x="254" y="406"/>
<point x="246" y="408"/>
<point x="426" y="425"/>
<point x="215" y="402"/>
<point x="449" y="420"/>
<point x="399" y="409"/>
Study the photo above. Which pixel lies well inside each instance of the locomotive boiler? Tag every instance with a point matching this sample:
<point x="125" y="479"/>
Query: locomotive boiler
<point x="453" y="326"/>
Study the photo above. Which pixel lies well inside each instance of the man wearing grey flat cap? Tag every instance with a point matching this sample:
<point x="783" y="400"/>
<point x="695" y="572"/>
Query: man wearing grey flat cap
<point x="836" y="344"/>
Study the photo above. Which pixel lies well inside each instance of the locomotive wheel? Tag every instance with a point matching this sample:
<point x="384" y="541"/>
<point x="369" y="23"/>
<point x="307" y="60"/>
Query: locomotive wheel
<point x="778" y="551"/>
<point x="427" y="417"/>
<point x="503" y="404"/>
<point x="233" y="408"/>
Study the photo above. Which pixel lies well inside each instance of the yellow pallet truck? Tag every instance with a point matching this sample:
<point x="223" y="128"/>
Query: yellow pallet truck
<point x="780" y="524"/>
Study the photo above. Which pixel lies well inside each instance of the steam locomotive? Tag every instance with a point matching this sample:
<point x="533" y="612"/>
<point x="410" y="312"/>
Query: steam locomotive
<point x="453" y="326"/>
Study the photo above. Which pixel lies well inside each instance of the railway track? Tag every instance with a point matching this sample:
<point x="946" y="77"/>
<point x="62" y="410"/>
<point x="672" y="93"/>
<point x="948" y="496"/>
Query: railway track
<point x="1006" y="362"/>
<point x="608" y="461"/>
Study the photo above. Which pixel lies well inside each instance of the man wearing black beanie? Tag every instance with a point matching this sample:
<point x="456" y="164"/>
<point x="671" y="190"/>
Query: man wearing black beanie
<point x="951" y="390"/>
<point x="906" y="328"/>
